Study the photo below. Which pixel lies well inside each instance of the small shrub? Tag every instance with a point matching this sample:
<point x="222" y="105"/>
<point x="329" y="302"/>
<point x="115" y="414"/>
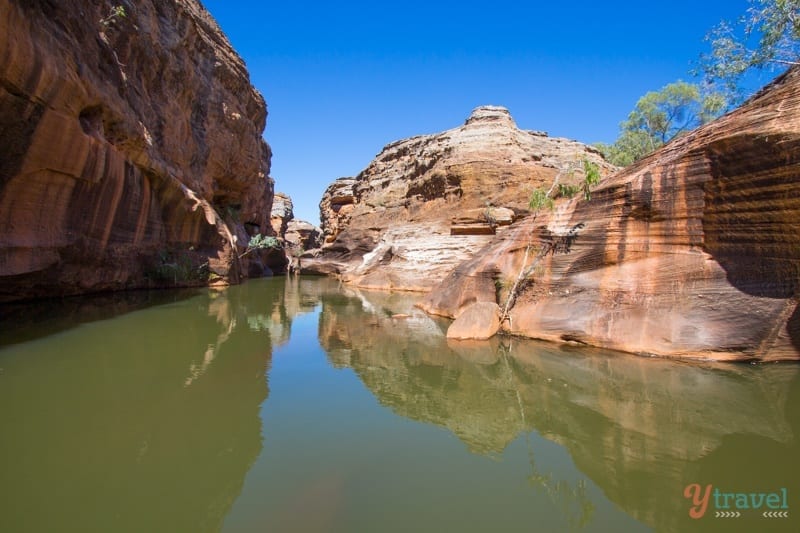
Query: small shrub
<point x="539" y="200"/>
<point x="262" y="242"/>
<point x="567" y="191"/>
<point x="116" y="13"/>
<point x="176" y="266"/>
<point x="592" y="178"/>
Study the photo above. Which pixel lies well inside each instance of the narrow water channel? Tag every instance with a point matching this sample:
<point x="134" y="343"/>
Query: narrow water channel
<point x="301" y="405"/>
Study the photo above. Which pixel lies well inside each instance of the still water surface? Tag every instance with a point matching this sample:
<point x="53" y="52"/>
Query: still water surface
<point x="299" y="405"/>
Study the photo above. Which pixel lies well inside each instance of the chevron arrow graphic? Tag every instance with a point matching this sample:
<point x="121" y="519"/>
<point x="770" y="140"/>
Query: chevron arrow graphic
<point x="728" y="514"/>
<point x="776" y="514"/>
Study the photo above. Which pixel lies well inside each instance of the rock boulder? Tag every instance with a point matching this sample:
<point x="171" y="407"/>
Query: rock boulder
<point x="478" y="321"/>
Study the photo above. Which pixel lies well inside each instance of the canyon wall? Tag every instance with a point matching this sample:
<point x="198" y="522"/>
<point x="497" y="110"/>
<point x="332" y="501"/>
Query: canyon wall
<point x="693" y="252"/>
<point x="131" y="148"/>
<point x="427" y="203"/>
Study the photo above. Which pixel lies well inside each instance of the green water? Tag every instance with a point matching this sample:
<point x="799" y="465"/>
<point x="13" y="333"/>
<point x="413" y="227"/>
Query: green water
<point x="298" y="405"/>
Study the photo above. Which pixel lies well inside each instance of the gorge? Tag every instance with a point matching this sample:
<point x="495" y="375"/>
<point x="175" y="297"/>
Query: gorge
<point x="178" y="352"/>
<point x="116" y="178"/>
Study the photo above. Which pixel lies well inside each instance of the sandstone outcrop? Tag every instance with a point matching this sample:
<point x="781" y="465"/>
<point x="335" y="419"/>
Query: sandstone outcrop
<point x="281" y="213"/>
<point x="693" y="252"/>
<point x="303" y="236"/>
<point x="427" y="203"/>
<point x="132" y="150"/>
<point x="298" y="238"/>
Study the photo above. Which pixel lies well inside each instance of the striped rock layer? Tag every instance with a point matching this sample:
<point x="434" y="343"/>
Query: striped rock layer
<point x="427" y="203"/>
<point x="694" y="252"/>
<point x="131" y="148"/>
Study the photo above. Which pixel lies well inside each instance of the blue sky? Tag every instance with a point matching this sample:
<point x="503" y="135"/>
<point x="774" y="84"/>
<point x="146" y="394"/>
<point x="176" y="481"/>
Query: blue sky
<point x="343" y="79"/>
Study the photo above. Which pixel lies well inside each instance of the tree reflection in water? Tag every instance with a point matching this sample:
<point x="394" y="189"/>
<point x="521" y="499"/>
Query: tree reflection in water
<point x="571" y="500"/>
<point x="641" y="429"/>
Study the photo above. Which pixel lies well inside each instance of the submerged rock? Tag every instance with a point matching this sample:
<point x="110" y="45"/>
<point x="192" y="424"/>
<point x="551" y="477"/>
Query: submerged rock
<point x="427" y="203"/>
<point x="132" y="149"/>
<point x="693" y="252"/>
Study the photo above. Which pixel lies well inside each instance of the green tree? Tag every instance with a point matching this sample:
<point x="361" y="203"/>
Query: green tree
<point x="767" y="35"/>
<point x="660" y="116"/>
<point x="261" y="242"/>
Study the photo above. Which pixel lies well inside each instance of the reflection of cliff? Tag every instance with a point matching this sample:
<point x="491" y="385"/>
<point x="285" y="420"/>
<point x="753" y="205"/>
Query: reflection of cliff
<point x="148" y="421"/>
<point x="399" y="354"/>
<point x="643" y="430"/>
<point x="640" y="429"/>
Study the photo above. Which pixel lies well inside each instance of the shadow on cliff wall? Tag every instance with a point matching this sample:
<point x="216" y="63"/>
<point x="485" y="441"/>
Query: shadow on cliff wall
<point x="752" y="202"/>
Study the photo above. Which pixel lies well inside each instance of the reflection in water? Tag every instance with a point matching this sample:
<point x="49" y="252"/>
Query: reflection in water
<point x="640" y="429"/>
<point x="145" y="414"/>
<point x="147" y="421"/>
<point x="23" y="321"/>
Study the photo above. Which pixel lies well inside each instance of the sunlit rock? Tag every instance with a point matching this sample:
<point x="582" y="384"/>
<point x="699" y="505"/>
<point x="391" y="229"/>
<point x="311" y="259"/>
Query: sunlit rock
<point x="427" y="203"/>
<point x="478" y="321"/>
<point x="693" y="252"/>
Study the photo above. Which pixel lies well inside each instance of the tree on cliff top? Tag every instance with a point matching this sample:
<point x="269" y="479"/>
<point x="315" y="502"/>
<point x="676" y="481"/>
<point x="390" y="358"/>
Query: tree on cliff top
<point x="766" y="36"/>
<point x="660" y="116"/>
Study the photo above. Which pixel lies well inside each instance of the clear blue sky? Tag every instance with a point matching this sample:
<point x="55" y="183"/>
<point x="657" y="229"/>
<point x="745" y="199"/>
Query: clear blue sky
<point x="343" y="79"/>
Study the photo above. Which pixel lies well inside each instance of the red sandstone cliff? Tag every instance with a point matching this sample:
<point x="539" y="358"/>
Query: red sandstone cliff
<point x="693" y="252"/>
<point x="130" y="148"/>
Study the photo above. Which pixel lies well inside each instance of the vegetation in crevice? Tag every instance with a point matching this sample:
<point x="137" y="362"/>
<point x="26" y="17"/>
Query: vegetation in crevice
<point x="550" y="244"/>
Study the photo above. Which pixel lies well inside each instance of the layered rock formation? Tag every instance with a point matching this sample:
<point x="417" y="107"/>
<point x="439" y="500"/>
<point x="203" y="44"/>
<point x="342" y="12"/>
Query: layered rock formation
<point x="132" y="149"/>
<point x="297" y="236"/>
<point x="302" y="236"/>
<point x="281" y="213"/>
<point x="693" y="252"/>
<point x="425" y="204"/>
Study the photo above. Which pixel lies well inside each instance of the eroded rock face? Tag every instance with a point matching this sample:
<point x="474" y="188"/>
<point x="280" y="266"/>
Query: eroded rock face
<point x="336" y="206"/>
<point x="298" y="237"/>
<point x="131" y="148"/>
<point x="282" y="212"/>
<point x="303" y="236"/>
<point x="427" y="203"/>
<point x="693" y="252"/>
